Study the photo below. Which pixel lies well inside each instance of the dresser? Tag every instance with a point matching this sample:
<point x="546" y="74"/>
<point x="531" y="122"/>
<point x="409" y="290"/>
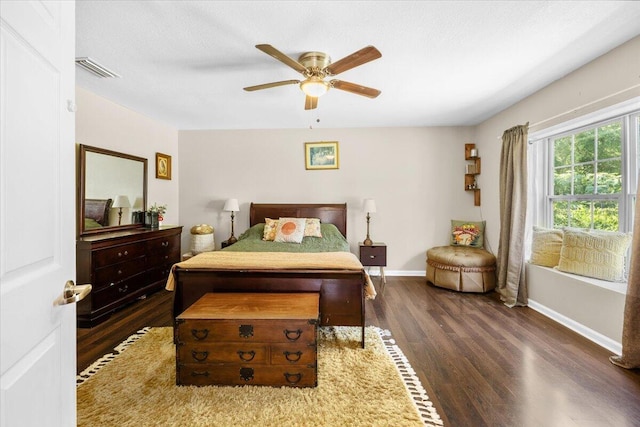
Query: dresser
<point x="248" y="339"/>
<point x="123" y="266"/>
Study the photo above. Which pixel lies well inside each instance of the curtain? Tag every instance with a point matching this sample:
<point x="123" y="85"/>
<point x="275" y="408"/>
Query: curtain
<point x="513" y="213"/>
<point x="630" y="357"/>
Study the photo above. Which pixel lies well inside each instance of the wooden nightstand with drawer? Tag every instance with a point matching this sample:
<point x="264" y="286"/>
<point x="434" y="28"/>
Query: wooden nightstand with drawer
<point x="375" y="256"/>
<point x="249" y="339"/>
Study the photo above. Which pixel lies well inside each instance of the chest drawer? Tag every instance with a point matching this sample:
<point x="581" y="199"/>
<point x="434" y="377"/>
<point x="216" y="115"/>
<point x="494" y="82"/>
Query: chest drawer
<point x="117" y="254"/>
<point x="247" y="330"/>
<point x="237" y="374"/>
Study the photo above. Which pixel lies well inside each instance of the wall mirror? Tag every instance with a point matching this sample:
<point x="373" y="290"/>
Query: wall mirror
<point x="112" y="190"/>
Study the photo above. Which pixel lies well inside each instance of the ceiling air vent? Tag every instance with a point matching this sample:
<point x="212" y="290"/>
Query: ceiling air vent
<point x="93" y="67"/>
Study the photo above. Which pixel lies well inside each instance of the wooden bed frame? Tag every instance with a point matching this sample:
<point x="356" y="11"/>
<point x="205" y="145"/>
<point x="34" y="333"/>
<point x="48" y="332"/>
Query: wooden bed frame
<point x="342" y="292"/>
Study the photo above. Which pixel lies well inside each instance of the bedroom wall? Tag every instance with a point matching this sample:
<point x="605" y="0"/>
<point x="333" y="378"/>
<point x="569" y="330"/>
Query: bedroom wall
<point x="105" y="124"/>
<point x="415" y="176"/>
<point x="608" y="80"/>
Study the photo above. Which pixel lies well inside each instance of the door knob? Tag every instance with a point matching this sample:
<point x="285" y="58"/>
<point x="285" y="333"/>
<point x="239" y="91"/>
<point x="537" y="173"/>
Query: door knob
<point x="72" y="293"/>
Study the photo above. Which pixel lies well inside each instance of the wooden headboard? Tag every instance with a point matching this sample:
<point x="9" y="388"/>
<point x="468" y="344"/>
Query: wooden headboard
<point x="98" y="209"/>
<point x="335" y="214"/>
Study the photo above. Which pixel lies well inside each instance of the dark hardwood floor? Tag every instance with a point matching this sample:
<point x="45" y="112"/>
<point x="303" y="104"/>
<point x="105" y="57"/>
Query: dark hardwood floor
<point x="482" y="364"/>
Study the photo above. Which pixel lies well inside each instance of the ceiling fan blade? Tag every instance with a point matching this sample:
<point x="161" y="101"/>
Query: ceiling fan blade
<point x="360" y="57"/>
<point x="269" y="85"/>
<point x="270" y="50"/>
<point x="310" y="102"/>
<point x="355" y="88"/>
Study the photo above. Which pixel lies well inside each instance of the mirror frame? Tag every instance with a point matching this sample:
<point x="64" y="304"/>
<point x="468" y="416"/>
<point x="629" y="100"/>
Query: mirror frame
<point x="82" y="157"/>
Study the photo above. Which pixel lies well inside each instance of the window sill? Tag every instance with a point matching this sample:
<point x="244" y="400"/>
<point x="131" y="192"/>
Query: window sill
<point x="619" y="287"/>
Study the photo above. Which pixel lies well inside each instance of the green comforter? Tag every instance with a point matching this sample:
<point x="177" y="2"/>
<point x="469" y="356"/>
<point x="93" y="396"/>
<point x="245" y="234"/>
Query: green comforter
<point x="331" y="241"/>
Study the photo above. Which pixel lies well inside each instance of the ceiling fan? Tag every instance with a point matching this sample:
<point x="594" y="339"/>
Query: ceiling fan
<point x="315" y="66"/>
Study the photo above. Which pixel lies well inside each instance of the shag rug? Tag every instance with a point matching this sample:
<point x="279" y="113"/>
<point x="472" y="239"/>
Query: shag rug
<point x="375" y="386"/>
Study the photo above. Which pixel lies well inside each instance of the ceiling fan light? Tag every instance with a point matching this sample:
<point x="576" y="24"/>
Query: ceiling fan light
<point x="314" y="87"/>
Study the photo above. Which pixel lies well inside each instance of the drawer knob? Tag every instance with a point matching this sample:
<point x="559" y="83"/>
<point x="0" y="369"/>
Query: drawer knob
<point x="199" y="373"/>
<point x="199" y="356"/>
<point x="372" y="256"/>
<point x="293" y="378"/>
<point x="292" y="335"/>
<point x="246" y="374"/>
<point x="200" y="334"/>
<point x="246" y="356"/>
<point x="245" y="331"/>
<point x="292" y="357"/>
<point x="124" y="289"/>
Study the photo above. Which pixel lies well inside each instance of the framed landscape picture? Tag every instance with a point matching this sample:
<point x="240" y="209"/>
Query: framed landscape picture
<point x="321" y="155"/>
<point x="163" y="166"/>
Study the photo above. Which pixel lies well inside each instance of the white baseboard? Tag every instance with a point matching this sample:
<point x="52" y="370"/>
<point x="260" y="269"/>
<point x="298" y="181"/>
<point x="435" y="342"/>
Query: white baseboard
<point x="579" y="328"/>
<point x="375" y="271"/>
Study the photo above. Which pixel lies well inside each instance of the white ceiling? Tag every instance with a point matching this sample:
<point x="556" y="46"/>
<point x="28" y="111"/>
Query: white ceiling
<point x="185" y="63"/>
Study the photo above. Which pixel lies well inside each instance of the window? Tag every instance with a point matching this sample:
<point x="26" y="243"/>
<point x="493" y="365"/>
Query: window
<point x="585" y="172"/>
<point x="587" y="177"/>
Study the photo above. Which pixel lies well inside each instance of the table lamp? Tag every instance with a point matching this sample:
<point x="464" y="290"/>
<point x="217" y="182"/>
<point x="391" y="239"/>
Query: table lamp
<point x="369" y="207"/>
<point x="231" y="205"/>
<point x="121" y="202"/>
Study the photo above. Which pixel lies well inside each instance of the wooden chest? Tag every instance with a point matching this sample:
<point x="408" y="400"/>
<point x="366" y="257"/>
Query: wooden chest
<point x="248" y="338"/>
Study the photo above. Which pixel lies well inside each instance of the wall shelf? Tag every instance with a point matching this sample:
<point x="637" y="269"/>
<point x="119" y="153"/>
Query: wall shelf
<point x="472" y="170"/>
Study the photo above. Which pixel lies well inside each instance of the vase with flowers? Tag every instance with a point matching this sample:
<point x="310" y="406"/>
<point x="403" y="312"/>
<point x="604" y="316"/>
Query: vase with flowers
<point x="155" y="215"/>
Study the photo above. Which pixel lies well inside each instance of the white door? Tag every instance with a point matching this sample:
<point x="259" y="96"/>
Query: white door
<point x="37" y="213"/>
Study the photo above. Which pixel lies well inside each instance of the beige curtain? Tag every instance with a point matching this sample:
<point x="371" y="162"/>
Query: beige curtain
<point x="513" y="209"/>
<point x="630" y="357"/>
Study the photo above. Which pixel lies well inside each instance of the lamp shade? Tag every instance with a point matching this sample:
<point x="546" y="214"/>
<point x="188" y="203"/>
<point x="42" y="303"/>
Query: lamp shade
<point x="314" y="87"/>
<point x="369" y="205"/>
<point x="121" y="202"/>
<point x="231" y="205"/>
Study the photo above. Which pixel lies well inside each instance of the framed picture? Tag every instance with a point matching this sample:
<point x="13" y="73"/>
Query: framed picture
<point x="321" y="155"/>
<point x="163" y="166"/>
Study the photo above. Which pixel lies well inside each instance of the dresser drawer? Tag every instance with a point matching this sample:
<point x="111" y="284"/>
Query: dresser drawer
<point x="117" y="254"/>
<point x="372" y="256"/>
<point x="164" y="257"/>
<point x="117" y="291"/>
<point x="163" y="244"/>
<point x="117" y="272"/>
<point x="242" y="374"/>
<point x="271" y="331"/>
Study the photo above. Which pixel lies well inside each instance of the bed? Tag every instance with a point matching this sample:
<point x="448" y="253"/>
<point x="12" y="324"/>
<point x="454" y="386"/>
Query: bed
<point x="337" y="275"/>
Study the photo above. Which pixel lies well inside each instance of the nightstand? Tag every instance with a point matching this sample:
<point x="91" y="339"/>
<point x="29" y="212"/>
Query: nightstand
<point x="225" y="243"/>
<point x="375" y="256"/>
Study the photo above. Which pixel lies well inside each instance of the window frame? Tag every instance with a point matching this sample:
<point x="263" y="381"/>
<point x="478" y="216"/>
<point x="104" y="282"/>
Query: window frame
<point x="628" y="113"/>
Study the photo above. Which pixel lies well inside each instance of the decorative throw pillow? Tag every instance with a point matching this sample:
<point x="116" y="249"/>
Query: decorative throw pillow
<point x="467" y="233"/>
<point x="312" y="227"/>
<point x="270" y="226"/>
<point x="597" y="254"/>
<point x="545" y="246"/>
<point x="290" y="230"/>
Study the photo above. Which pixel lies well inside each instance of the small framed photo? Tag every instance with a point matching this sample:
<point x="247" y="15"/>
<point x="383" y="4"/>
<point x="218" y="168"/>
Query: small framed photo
<point x="321" y="155"/>
<point x="163" y="166"/>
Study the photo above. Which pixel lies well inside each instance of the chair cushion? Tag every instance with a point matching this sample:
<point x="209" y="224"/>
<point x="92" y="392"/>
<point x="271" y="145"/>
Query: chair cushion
<point x="462" y="256"/>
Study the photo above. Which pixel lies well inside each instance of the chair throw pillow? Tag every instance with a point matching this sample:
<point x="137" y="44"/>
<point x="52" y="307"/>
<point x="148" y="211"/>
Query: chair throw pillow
<point x="597" y="254"/>
<point x="545" y="246"/>
<point x="467" y="233"/>
<point x="290" y="230"/>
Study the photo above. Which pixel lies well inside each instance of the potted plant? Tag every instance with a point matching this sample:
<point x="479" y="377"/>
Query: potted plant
<point x="155" y="215"/>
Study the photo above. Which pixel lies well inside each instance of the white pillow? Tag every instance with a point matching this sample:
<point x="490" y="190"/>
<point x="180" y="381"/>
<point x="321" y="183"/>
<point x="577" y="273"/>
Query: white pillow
<point x="598" y="254"/>
<point x="290" y="230"/>
<point x="545" y="246"/>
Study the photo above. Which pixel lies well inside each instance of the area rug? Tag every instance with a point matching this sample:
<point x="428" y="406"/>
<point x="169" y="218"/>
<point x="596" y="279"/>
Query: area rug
<point x="375" y="386"/>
